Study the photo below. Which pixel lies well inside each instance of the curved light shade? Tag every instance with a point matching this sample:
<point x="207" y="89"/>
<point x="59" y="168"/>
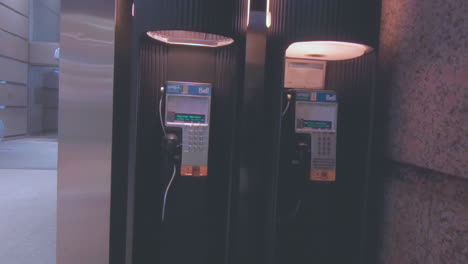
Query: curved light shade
<point x="190" y="38"/>
<point x="326" y="50"/>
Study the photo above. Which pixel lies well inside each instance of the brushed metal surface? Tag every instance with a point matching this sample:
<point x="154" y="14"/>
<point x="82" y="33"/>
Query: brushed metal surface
<point x="85" y="131"/>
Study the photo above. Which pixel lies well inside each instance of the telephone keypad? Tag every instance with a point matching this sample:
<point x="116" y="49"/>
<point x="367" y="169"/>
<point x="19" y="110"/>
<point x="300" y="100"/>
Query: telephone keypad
<point x="195" y="139"/>
<point x="323" y="150"/>
<point x="324" y="144"/>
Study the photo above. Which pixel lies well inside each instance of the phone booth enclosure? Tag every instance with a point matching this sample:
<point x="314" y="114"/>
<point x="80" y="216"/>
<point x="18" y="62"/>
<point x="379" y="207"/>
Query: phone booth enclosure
<point x="329" y="224"/>
<point x="324" y="220"/>
<point x="196" y="228"/>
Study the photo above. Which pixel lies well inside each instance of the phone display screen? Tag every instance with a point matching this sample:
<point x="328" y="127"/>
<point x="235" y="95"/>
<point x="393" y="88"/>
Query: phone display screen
<point x="317" y="124"/>
<point x="189" y="118"/>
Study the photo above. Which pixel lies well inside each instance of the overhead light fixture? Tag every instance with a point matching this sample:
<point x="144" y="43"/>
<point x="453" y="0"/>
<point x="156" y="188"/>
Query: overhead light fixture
<point x="190" y="38"/>
<point x="326" y="50"/>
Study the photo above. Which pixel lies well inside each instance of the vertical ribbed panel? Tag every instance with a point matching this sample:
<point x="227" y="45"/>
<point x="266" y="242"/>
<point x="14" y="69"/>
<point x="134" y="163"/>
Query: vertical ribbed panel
<point x="331" y="226"/>
<point x="226" y="17"/>
<point x="198" y="224"/>
<point x="326" y="20"/>
<point x="223" y="157"/>
<point x="354" y="82"/>
<point x="152" y="74"/>
<point x="151" y="171"/>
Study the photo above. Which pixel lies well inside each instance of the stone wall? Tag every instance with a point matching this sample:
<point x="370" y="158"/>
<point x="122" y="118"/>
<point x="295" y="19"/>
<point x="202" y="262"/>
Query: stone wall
<point x="424" y="74"/>
<point x="425" y="217"/>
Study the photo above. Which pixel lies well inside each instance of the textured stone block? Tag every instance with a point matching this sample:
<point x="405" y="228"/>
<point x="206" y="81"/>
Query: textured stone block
<point x="425" y="219"/>
<point x="424" y="68"/>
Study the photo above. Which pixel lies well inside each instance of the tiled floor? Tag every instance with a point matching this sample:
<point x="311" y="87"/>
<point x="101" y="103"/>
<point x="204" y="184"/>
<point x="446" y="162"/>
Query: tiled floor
<point x="29" y="153"/>
<point x="28" y="195"/>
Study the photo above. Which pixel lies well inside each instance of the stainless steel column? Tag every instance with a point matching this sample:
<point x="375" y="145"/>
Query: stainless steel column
<point x="85" y="131"/>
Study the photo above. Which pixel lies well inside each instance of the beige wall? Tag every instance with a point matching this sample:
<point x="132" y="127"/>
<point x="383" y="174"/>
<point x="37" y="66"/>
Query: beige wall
<point x="14" y="36"/>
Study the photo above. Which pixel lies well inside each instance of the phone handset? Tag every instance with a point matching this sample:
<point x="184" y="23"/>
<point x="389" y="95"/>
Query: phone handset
<point x="171" y="145"/>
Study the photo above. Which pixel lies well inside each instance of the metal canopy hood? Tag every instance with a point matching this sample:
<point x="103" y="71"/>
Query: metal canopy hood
<point x="227" y="18"/>
<point x="324" y="20"/>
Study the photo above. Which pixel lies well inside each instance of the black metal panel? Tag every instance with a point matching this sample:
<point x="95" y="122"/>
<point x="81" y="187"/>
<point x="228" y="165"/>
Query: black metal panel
<point x="329" y="228"/>
<point x="354" y="80"/>
<point x="148" y="183"/>
<point x="120" y="133"/>
<point x="250" y="203"/>
<point x="197" y="227"/>
<point x="335" y="235"/>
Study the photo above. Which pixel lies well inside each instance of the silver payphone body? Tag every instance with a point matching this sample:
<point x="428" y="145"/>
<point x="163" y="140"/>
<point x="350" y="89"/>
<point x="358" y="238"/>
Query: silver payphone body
<point x="188" y="108"/>
<point x="316" y="114"/>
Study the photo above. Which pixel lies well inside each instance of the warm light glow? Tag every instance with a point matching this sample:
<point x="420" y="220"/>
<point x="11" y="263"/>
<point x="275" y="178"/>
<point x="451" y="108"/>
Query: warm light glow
<point x="248" y="12"/>
<point x="326" y="50"/>
<point x="190" y="38"/>
<point x="268" y="14"/>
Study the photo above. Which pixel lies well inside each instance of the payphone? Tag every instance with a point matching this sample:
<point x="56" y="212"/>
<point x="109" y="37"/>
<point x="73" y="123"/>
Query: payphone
<point x="188" y="109"/>
<point x="315" y="116"/>
<point x="323" y="159"/>
<point x="186" y="128"/>
<point x="308" y="163"/>
<point x="185" y="157"/>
